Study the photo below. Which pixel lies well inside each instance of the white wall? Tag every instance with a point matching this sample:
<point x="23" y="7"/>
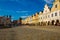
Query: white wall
<point x="50" y="18"/>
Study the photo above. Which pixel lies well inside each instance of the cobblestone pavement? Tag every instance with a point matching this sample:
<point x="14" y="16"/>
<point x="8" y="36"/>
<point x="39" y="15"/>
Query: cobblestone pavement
<point x="31" y="33"/>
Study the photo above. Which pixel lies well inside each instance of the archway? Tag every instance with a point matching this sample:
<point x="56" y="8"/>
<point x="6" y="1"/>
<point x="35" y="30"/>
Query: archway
<point x="57" y="21"/>
<point x="52" y="22"/>
<point x="41" y="23"/>
<point x="48" y="22"/>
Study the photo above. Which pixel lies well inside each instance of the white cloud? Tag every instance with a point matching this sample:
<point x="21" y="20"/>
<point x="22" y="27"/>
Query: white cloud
<point x="24" y="16"/>
<point x="26" y="13"/>
<point x="49" y="1"/>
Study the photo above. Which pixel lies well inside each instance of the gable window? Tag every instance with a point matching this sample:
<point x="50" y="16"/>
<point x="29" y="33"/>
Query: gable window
<point x="55" y="14"/>
<point x="56" y="6"/>
<point x="59" y="0"/>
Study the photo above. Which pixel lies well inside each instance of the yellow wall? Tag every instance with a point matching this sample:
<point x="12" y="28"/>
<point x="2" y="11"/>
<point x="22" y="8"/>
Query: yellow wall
<point x="58" y="6"/>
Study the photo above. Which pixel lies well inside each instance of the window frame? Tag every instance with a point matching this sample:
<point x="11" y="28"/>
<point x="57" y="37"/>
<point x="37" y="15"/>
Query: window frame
<point x="56" y="6"/>
<point x="55" y="13"/>
<point x="52" y="15"/>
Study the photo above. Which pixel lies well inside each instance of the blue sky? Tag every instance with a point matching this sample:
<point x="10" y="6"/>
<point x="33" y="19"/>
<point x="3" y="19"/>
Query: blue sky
<point x="22" y="8"/>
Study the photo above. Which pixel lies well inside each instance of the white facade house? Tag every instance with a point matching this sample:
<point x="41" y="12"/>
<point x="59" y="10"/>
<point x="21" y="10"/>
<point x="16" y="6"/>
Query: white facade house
<point x="43" y="16"/>
<point x="50" y="15"/>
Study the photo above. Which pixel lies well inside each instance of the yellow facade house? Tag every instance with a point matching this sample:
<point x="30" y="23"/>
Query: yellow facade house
<point x="56" y="6"/>
<point x="35" y="19"/>
<point x="28" y="20"/>
<point x="55" y="12"/>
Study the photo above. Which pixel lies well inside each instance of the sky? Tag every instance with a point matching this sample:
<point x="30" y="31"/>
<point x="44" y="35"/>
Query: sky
<point x="22" y="8"/>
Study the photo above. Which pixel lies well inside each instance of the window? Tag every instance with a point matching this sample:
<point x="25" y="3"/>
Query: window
<point x="45" y="10"/>
<point x="59" y="13"/>
<point x="59" y="0"/>
<point x="48" y="16"/>
<point x="41" y="17"/>
<point x="52" y="15"/>
<point x="55" y="14"/>
<point x="56" y="6"/>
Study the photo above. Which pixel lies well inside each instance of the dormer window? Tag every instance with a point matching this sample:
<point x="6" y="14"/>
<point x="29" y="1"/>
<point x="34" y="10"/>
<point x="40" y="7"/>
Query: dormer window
<point x="59" y="0"/>
<point x="56" y="6"/>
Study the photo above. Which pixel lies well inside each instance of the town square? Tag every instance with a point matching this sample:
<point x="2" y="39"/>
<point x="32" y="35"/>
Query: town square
<point x="34" y="24"/>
